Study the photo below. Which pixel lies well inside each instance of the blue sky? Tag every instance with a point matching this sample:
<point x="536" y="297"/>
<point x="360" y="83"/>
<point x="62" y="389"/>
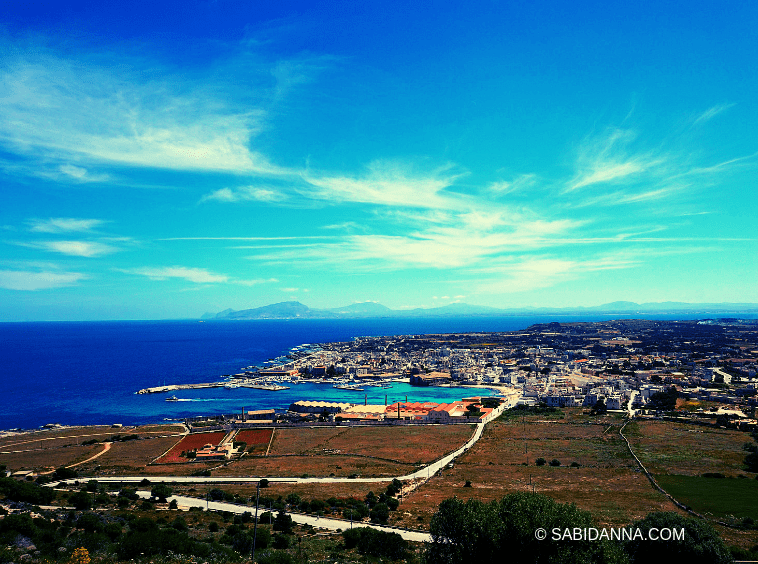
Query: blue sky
<point x="161" y="160"/>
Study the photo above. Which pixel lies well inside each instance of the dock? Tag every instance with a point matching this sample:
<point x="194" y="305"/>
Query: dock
<point x="173" y="387"/>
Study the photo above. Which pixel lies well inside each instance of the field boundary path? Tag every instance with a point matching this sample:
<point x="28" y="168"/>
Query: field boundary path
<point x="106" y="448"/>
<point x="650" y="477"/>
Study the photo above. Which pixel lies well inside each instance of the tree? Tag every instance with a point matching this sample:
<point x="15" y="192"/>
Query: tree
<point x="80" y="500"/>
<point x="380" y="513"/>
<point x="283" y="522"/>
<point x="161" y="492"/>
<point x="701" y="543"/>
<point x="376" y="543"/>
<point x="473" y="531"/>
<point x="599" y="408"/>
<point x="665" y="401"/>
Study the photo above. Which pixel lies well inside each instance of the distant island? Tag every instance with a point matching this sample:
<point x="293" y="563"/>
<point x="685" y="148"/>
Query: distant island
<point x="296" y="310"/>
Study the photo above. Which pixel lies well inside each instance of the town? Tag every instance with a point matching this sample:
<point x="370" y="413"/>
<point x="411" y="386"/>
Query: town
<point x="612" y="365"/>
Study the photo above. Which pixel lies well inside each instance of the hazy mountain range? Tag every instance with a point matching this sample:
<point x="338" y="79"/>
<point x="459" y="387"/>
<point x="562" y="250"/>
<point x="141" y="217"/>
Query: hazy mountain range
<point x="296" y="310"/>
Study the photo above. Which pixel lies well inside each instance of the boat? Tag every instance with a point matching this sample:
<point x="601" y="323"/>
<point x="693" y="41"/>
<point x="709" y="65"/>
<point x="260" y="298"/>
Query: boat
<point x="172" y="398"/>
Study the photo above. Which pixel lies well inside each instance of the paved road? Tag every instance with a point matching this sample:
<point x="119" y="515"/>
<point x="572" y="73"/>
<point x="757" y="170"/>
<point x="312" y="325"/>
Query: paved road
<point x="317" y="522"/>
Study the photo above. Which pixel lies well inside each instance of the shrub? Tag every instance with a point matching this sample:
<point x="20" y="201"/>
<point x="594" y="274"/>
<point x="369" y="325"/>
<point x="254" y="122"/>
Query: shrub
<point x="701" y="543"/>
<point x="283" y="522"/>
<point x="376" y="543"/>
<point x="380" y="513"/>
<point x="540" y="462"/>
<point x="555" y="462"/>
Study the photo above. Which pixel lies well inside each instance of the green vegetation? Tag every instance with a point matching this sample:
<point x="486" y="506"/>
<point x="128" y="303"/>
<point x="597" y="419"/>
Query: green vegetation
<point x="701" y="544"/>
<point x="718" y="497"/>
<point x="376" y="543"/>
<point x="474" y="531"/>
<point x="520" y="410"/>
<point x="28" y="492"/>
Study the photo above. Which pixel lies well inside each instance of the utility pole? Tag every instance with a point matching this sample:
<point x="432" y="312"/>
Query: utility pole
<point x="255" y="526"/>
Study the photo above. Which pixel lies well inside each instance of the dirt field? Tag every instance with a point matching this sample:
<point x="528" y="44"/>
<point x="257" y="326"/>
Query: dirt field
<point x="321" y="466"/>
<point x="408" y="445"/>
<point x="676" y="448"/>
<point x="45" y="450"/>
<point x="607" y="481"/>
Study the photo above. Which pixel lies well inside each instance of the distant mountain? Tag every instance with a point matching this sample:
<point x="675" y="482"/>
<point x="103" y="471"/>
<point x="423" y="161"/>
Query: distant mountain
<point x="451" y="310"/>
<point x="283" y="310"/>
<point x="296" y="310"/>
<point x="363" y="309"/>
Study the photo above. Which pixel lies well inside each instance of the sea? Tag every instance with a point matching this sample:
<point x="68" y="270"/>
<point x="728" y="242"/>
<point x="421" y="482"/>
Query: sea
<point x="85" y="373"/>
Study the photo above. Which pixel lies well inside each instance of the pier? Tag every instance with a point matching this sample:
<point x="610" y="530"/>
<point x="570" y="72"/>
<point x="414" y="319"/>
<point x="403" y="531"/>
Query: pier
<point x="172" y="387"/>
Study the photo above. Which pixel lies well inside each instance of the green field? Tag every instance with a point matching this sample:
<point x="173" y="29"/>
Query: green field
<point x="717" y="497"/>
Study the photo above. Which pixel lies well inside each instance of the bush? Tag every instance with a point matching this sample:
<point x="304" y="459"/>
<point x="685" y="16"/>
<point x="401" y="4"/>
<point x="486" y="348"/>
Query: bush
<point x="701" y="544"/>
<point x="555" y="462"/>
<point x="213" y="527"/>
<point x="64" y="474"/>
<point x="81" y="500"/>
<point x="474" y="531"/>
<point x="161" y="492"/>
<point x="25" y="491"/>
<point x="283" y="522"/>
<point x="262" y="538"/>
<point x="540" y="462"/>
<point x="376" y="543"/>
<point x="276" y="558"/>
<point x="380" y="513"/>
<point x="281" y="542"/>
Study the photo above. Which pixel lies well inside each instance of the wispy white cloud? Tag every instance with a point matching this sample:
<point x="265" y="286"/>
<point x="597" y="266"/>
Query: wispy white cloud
<point x="518" y="184"/>
<point x="63" y="224"/>
<point x="607" y="159"/>
<point x="89" y="249"/>
<point x="246" y="193"/>
<point x="386" y="183"/>
<point x="64" y="108"/>
<point x="523" y="274"/>
<point x="196" y="275"/>
<point x="38" y="280"/>
<point x="712" y="112"/>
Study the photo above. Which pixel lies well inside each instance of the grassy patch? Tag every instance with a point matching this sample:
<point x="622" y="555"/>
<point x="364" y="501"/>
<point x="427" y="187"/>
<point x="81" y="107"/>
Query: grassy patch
<point x="719" y="497"/>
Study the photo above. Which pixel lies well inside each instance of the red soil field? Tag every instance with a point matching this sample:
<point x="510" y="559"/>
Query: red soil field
<point x="254" y="436"/>
<point x="192" y="441"/>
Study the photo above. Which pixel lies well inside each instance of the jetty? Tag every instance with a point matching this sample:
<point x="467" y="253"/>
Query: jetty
<point x="172" y="387"/>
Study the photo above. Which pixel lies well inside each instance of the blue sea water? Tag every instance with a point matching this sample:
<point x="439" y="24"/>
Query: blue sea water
<point x="87" y="372"/>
